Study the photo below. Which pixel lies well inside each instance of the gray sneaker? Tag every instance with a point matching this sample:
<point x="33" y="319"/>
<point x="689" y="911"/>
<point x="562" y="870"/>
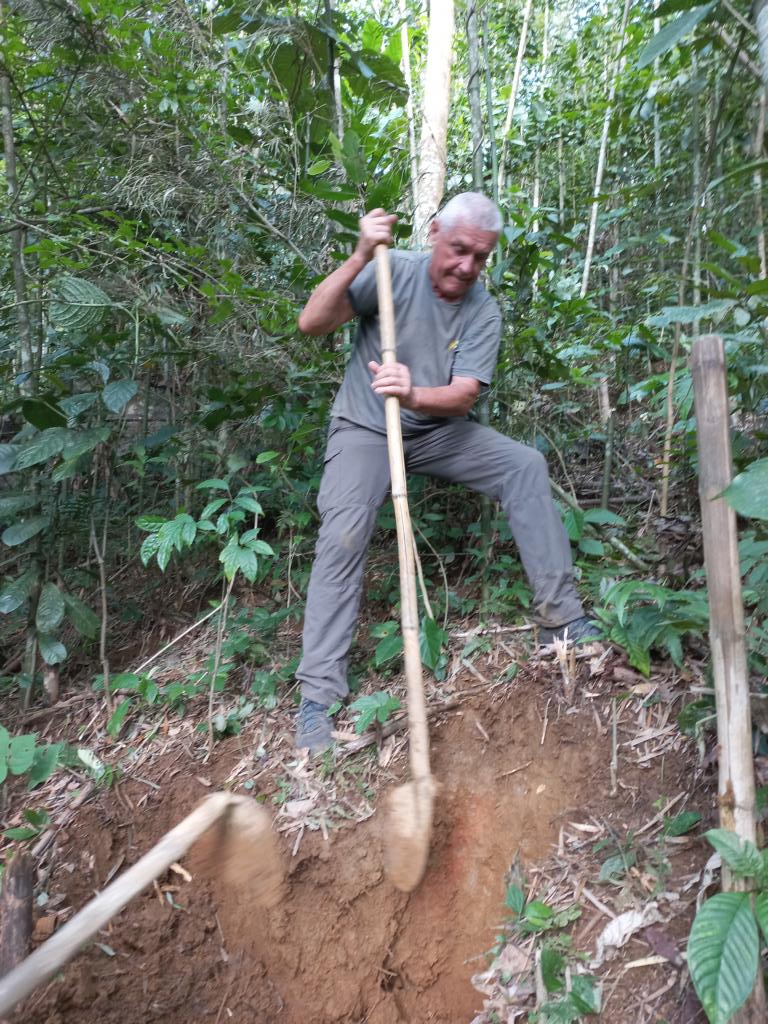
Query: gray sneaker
<point x="580" y="631"/>
<point x="313" y="727"/>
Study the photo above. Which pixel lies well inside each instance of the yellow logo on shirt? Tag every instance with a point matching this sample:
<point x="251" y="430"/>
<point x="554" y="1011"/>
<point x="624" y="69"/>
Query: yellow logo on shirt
<point x="454" y="344"/>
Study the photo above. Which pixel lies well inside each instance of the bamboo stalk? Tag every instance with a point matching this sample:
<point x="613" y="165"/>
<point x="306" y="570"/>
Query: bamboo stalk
<point x="736" y="780"/>
<point x="409" y="611"/>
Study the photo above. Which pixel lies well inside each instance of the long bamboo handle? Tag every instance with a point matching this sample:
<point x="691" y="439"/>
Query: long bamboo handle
<point x="54" y="953"/>
<point x="409" y="609"/>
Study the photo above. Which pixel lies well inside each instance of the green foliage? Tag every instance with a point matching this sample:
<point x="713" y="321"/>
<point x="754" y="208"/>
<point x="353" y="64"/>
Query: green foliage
<point x="641" y="616"/>
<point x="748" y="491"/>
<point x="723" y="954"/>
<point x="724" y="944"/>
<point x="373" y="707"/>
<point x="22" y="755"/>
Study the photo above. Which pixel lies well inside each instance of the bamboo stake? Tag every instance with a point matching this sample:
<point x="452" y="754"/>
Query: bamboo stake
<point x="410" y="818"/>
<point x="721" y="556"/>
<point x="736" y="780"/>
<point x="409" y="611"/>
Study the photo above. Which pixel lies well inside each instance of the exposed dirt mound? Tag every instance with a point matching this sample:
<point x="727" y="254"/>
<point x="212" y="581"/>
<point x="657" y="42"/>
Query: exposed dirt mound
<point x="342" y="945"/>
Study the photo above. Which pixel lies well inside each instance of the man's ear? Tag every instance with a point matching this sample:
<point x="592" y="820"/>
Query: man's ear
<point x="434" y="230"/>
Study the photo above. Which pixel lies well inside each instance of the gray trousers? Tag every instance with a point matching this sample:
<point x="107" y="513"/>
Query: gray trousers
<point x="355" y="484"/>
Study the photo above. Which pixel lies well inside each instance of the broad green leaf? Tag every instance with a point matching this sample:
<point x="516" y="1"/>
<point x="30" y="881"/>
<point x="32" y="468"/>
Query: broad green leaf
<point x="83" y="618"/>
<point x="235" y="559"/>
<point x="431" y="642"/>
<point x="78" y="304"/>
<point x="671" y="34"/>
<point x="211" y="507"/>
<point x="50" y="608"/>
<point x="747" y="493"/>
<point x="248" y="503"/>
<point x="603" y="517"/>
<point x="82" y="441"/>
<point x="552" y="967"/>
<point x="14" y="593"/>
<point x="515" y="899"/>
<point x="20" y="533"/>
<point x="723" y="952"/>
<point x="73" y="405"/>
<point x="43" y="412"/>
<point x="687" y="314"/>
<point x="681" y="823"/>
<point x="150" y="523"/>
<point x="591" y="546"/>
<point x="263" y="457"/>
<point x="46" y="759"/>
<point x="118" y="394"/>
<point x="13" y="503"/>
<point x="115" y="724"/>
<point x="42" y="447"/>
<point x="8" y="455"/>
<point x="21" y="833"/>
<point x="214" y="484"/>
<point x="149" y="548"/>
<point x="21" y="753"/>
<point x="761" y="913"/>
<point x="374" y="706"/>
<point x="537" y="915"/>
<point x="52" y="651"/>
<point x="741" y="855"/>
<point x="390" y="647"/>
<point x="585" y="993"/>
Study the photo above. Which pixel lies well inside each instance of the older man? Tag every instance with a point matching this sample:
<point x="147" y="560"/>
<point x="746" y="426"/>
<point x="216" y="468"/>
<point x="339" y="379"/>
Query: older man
<point x="448" y="330"/>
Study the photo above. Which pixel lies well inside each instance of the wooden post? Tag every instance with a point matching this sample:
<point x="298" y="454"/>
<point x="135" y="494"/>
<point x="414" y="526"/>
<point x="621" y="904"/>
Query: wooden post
<point x="736" y="782"/>
<point x="15" y="911"/>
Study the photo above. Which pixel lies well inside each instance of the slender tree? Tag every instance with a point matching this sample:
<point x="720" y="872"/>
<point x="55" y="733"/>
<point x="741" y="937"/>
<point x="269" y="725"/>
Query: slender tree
<point x="436" y="98"/>
<point x="512" y="103"/>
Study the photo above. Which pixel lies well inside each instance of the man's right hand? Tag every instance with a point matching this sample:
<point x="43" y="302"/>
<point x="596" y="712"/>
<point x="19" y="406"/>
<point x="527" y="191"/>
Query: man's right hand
<point x="375" y="229"/>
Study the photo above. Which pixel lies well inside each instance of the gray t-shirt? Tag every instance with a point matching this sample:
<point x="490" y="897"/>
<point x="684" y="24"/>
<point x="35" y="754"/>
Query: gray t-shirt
<point x="435" y="339"/>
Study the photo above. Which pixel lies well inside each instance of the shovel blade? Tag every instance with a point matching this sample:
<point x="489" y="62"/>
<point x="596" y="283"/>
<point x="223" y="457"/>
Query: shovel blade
<point x="409" y="830"/>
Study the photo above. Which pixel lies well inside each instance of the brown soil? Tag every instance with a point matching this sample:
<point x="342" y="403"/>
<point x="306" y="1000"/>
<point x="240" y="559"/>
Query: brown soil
<point x="342" y="945"/>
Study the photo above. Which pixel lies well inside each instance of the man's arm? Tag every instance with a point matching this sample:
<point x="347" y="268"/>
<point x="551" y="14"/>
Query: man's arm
<point x="328" y="306"/>
<point x="454" y="399"/>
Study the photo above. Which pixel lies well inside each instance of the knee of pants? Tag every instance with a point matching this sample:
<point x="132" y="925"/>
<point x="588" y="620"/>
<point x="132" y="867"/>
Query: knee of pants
<point x="343" y="541"/>
<point x="529" y="473"/>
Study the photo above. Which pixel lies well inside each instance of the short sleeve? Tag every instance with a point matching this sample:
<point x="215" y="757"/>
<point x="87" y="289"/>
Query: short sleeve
<point x="362" y="292"/>
<point x="478" y="347"/>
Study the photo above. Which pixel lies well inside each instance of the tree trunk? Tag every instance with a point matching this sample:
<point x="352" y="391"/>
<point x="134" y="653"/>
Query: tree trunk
<point x="473" y="88"/>
<point x="757" y="182"/>
<point x="489" y="109"/>
<point x="25" y="354"/>
<point x="537" y="155"/>
<point x="618" y="67"/>
<point x="513" y="92"/>
<point x="760" y="12"/>
<point x="436" y="98"/>
<point x="405" y="64"/>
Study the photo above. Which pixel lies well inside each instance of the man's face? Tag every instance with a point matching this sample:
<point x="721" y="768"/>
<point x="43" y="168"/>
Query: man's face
<point x="459" y="254"/>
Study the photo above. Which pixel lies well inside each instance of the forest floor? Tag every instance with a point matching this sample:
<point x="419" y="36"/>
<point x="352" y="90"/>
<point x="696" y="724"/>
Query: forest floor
<point x="534" y="792"/>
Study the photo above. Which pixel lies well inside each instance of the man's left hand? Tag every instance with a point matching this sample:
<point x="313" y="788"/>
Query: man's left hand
<point x="393" y="379"/>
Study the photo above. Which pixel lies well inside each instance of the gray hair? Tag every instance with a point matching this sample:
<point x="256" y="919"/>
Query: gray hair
<point x="471" y="208"/>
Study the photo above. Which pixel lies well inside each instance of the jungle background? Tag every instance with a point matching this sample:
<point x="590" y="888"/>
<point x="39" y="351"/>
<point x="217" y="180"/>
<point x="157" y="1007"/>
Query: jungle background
<point x="177" y="178"/>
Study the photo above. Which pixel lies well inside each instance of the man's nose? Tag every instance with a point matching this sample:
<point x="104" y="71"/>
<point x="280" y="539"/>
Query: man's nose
<point x="467" y="266"/>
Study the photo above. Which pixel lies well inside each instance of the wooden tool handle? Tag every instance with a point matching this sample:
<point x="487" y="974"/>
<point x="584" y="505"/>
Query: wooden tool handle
<point x="409" y="609"/>
<point x="54" y="953"/>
